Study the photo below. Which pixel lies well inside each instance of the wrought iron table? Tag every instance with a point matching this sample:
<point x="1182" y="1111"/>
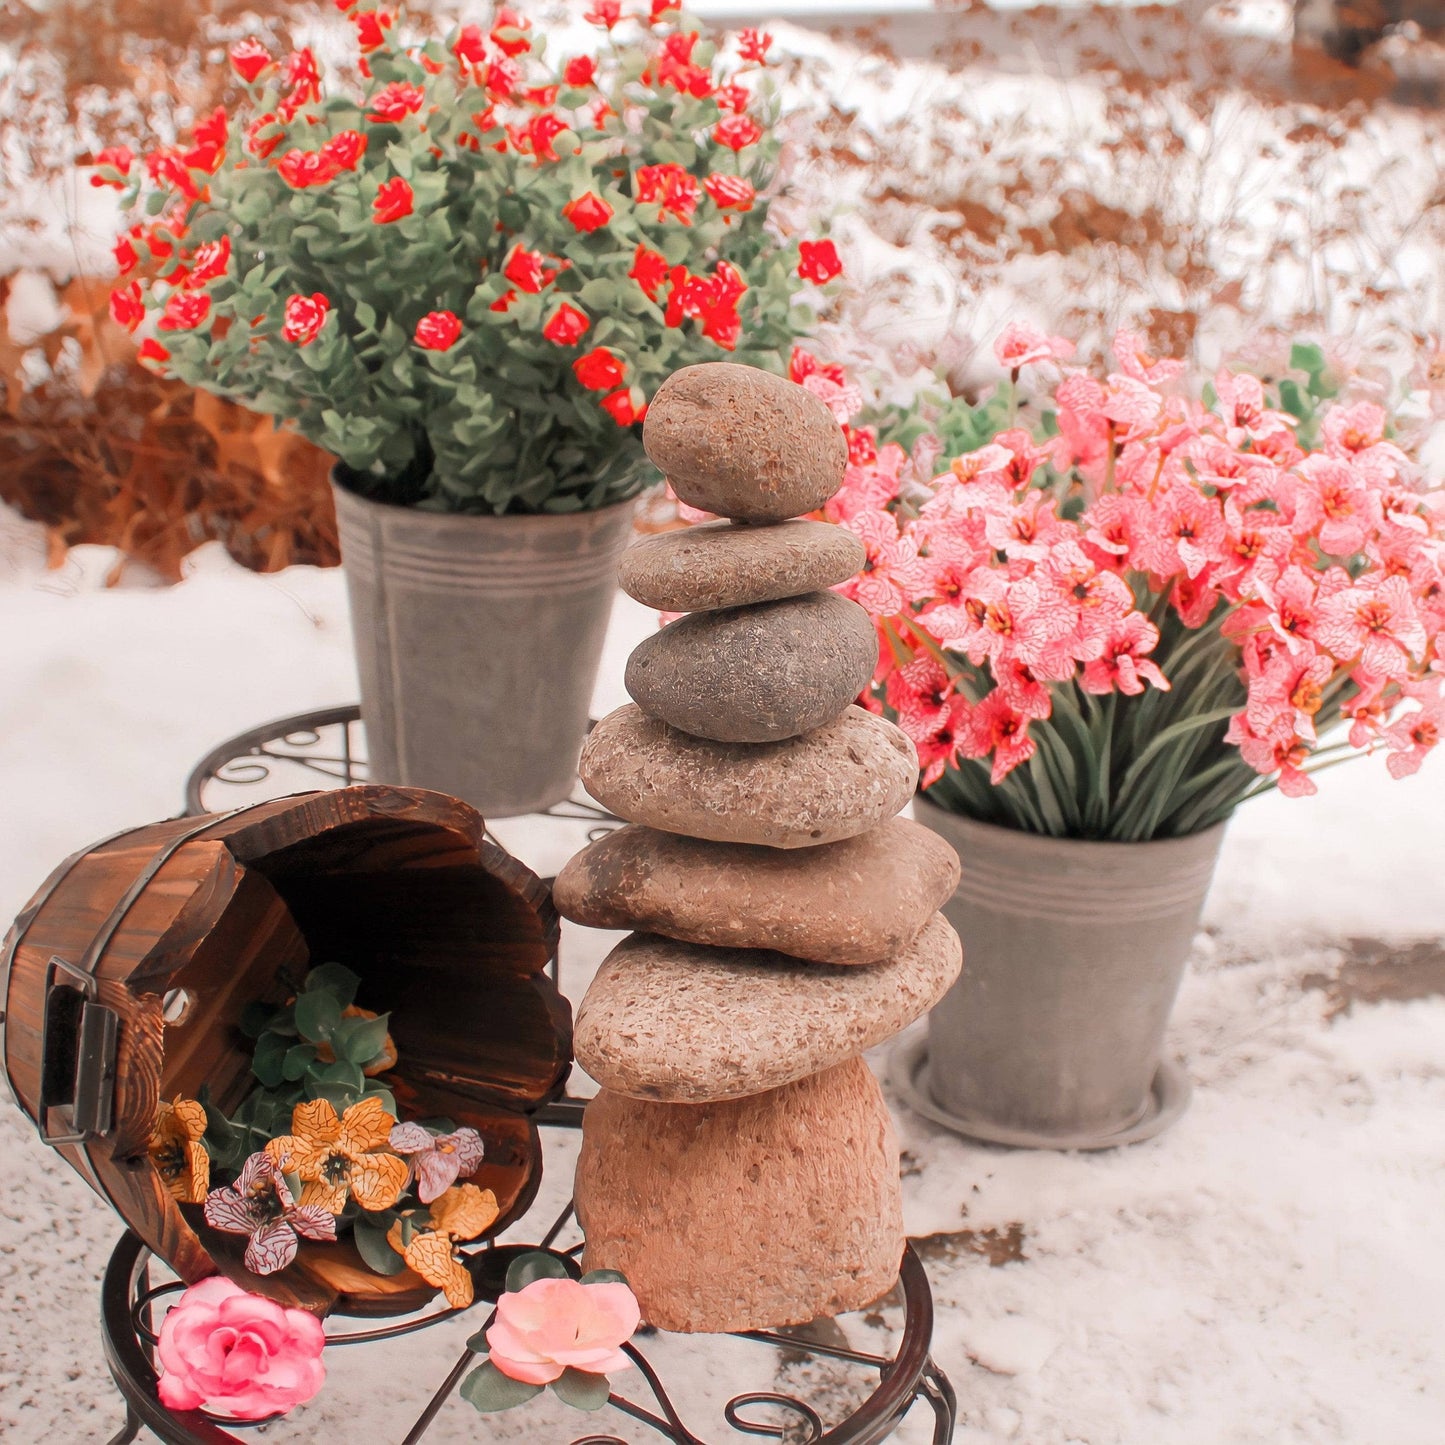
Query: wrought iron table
<point x="330" y="745"/>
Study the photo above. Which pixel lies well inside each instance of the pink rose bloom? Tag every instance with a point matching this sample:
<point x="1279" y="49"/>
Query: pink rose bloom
<point x="557" y="1323"/>
<point x="238" y="1354"/>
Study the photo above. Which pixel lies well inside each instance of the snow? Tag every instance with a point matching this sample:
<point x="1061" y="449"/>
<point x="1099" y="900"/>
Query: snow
<point x="1270" y="1270"/>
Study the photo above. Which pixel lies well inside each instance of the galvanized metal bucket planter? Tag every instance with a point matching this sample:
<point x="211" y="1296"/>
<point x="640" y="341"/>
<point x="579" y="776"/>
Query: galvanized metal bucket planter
<point x="478" y="640"/>
<point x="1072" y="955"/>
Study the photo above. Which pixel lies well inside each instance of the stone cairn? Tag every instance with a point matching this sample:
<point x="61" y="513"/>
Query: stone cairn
<point x="739" y="1164"/>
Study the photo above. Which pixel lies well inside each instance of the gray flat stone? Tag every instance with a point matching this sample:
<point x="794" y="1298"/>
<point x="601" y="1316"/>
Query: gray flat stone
<point x="723" y="564"/>
<point x="756" y="674"/>
<point x="744" y="443"/>
<point x="833" y="783"/>
<point x="687" y="1024"/>
<point x="768" y="1211"/>
<point x="857" y="901"/>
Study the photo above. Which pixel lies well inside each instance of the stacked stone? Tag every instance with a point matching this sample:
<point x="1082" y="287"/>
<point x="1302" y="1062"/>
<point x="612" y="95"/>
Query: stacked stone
<point x="739" y="1164"/>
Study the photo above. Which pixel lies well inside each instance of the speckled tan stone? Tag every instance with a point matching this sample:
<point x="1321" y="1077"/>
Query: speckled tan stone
<point x="768" y="1211"/>
<point x="857" y="901"/>
<point x="724" y="564"/>
<point x="744" y="443"/>
<point x="688" y="1024"/>
<point x="834" y="783"/>
<point x="756" y="674"/>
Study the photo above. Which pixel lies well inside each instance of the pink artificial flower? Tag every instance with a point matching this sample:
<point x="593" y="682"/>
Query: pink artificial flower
<point x="237" y="1354"/>
<point x="996" y="726"/>
<point x="1337" y="507"/>
<point x="1377" y="621"/>
<point x="1124" y="665"/>
<point x="1286" y="693"/>
<point x="890" y="571"/>
<point x="1183" y="531"/>
<point x="260" y="1204"/>
<point x="437" y="1160"/>
<point x="1413" y="736"/>
<point x="558" y="1324"/>
<point x="1071" y="606"/>
<point x="1025" y="530"/>
<point x="1285" y="756"/>
<point x="1130" y="350"/>
<point x="1019" y="346"/>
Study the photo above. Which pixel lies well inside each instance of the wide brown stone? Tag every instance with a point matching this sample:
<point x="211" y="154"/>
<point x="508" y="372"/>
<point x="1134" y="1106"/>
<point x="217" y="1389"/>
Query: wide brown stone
<point x="857" y="901"/>
<point x="756" y="674"/>
<point x="833" y="783"/>
<point x="688" y="1024"/>
<point x="723" y="564"/>
<point x="767" y="1211"/>
<point x="744" y="443"/>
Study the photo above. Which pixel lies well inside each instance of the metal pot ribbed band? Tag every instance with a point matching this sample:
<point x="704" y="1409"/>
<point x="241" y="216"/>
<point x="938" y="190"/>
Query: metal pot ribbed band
<point x="489" y="574"/>
<point x="1085" y="899"/>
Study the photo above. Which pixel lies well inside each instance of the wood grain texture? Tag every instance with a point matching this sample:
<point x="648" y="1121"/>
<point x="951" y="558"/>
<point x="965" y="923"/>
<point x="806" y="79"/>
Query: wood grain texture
<point x="448" y="932"/>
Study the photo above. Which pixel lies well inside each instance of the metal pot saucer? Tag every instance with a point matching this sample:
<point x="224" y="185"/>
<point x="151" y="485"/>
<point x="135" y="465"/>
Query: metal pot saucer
<point x="1169" y="1096"/>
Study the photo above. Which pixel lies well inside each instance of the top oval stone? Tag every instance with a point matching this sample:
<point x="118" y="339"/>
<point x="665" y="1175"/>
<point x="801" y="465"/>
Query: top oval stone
<point x="722" y="564"/>
<point x="744" y="443"/>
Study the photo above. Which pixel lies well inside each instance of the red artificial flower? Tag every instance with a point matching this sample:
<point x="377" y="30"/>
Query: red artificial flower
<point x="249" y="58"/>
<point x="438" y="331"/>
<point x="730" y="192"/>
<point x="605" y="13"/>
<point x="649" y="270"/>
<point x="524" y="270"/>
<point x="674" y="66"/>
<point x="541" y="94"/>
<point x="509" y="32"/>
<point x="732" y="97"/>
<point x="344" y="150"/>
<point x="124" y="252"/>
<point x="539" y="134"/>
<point x="753" y="45"/>
<point x="152" y="350"/>
<point x="670" y="188"/>
<point x="371" y="28"/>
<point x="588" y="212"/>
<point x="305" y="316"/>
<point x="126" y="307"/>
<point x="502" y="79"/>
<point x="503" y="302"/>
<point x="566" y="326"/>
<point x="619" y="407"/>
<point x="599" y="370"/>
<point x="210" y="137"/>
<point x="184" y="311"/>
<point x="662" y="7"/>
<point x="301" y="169"/>
<point x="304" y="80"/>
<point x="818" y="261"/>
<point x="393" y="201"/>
<point x="210" y="261"/>
<point x="471" y="45"/>
<point x="737" y="131"/>
<point x="580" y="71"/>
<point x="343" y="5"/>
<point x="262" y="145"/>
<point x="167" y="168"/>
<point x="394" y="102"/>
<point x="118" y="157"/>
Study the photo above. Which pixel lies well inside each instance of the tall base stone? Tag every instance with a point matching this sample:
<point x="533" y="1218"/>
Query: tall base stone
<point x="749" y="1214"/>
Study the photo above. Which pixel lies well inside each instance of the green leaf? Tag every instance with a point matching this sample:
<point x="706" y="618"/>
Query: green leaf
<point x="299" y="1058"/>
<point x="581" y="1390"/>
<point x="317" y="1013"/>
<point x="254" y="1019"/>
<point x="487" y="1389"/>
<point x="268" y="1063"/>
<point x="335" y="978"/>
<point x="384" y="1097"/>
<point x="359" y="1041"/>
<point x="604" y="1276"/>
<point x="1306" y="357"/>
<point x="372" y="1246"/>
<point x="337" y="1095"/>
<point x="340" y="1072"/>
<point x="532" y="1267"/>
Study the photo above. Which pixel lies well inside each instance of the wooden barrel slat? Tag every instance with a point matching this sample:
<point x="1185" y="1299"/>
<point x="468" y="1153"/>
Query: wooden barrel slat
<point x="448" y="931"/>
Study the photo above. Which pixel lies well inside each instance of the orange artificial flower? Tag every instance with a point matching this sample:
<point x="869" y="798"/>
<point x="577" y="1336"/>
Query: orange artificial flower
<point x="177" y="1152"/>
<point x="461" y="1213"/>
<point x="336" y="1158"/>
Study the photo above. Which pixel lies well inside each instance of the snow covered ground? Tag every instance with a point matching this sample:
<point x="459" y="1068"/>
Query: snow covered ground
<point x="1272" y="1270"/>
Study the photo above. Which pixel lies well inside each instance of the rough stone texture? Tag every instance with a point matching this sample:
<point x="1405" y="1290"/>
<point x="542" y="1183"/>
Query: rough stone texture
<point x="688" y="1024"/>
<point x="834" y="783"/>
<point x="767" y="1211"/>
<point x="756" y="674"/>
<point x="744" y="443"/>
<point x="857" y="901"/>
<point x="723" y="564"/>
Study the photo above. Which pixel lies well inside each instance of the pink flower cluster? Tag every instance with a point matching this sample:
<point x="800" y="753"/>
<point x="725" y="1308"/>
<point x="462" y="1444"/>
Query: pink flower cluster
<point x="1048" y="561"/>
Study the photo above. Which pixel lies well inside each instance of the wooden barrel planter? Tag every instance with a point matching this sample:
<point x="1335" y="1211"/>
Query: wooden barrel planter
<point x="125" y="977"/>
